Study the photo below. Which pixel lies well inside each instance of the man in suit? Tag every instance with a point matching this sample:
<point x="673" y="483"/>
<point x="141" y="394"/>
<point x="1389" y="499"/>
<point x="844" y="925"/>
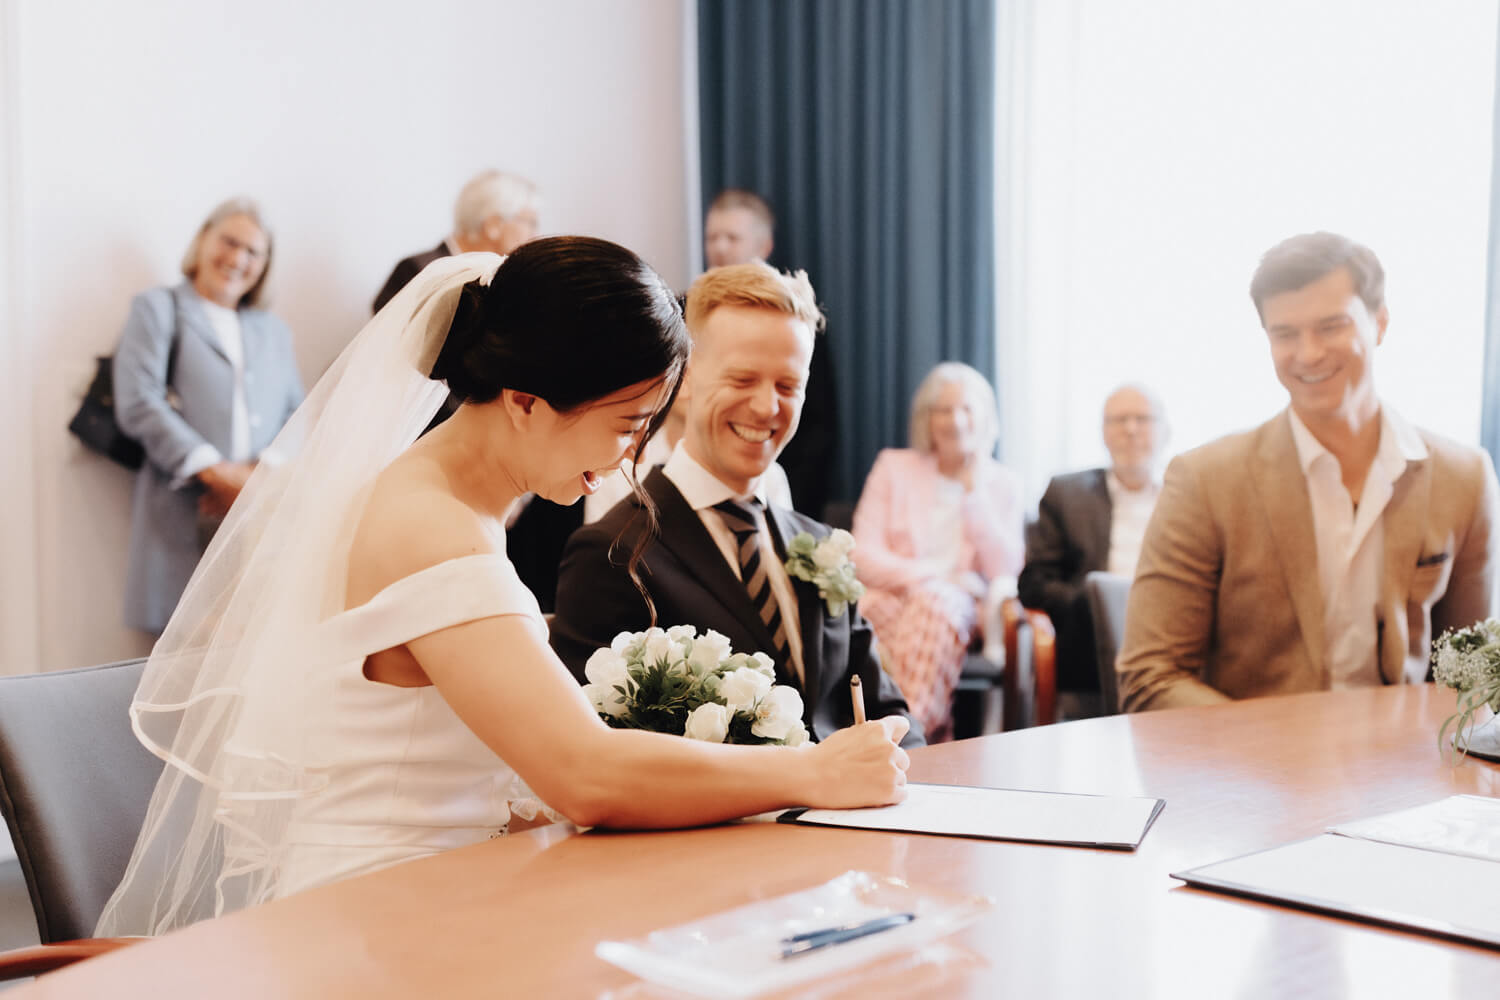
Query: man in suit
<point x="1080" y="528"/>
<point x="495" y="211"/>
<point x="1325" y="548"/>
<point x="739" y="228"/>
<point x="721" y="567"/>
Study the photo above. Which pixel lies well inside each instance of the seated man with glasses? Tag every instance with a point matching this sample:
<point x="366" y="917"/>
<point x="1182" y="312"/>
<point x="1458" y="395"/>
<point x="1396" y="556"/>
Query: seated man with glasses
<point x="1093" y="520"/>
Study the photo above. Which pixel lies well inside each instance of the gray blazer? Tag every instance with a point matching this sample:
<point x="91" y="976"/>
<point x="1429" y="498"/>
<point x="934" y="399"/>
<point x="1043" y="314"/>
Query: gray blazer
<point x="164" y="547"/>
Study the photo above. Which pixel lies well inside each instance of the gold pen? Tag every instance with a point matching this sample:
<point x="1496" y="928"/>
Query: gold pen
<point x="857" y="695"/>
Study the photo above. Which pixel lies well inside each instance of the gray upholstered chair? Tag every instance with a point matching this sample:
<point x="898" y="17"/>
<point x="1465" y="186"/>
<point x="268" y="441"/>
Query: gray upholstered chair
<point x="74" y="786"/>
<point x="1108" y="593"/>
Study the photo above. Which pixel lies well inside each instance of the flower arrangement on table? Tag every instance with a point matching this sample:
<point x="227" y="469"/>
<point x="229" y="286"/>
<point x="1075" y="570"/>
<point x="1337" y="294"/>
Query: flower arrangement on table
<point x="676" y="681"/>
<point x="1468" y="660"/>
<point x="826" y="565"/>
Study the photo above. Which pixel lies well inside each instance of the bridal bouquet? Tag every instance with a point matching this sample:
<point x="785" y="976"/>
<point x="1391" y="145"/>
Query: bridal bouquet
<point x="1468" y="660"/>
<point x="677" y="681"/>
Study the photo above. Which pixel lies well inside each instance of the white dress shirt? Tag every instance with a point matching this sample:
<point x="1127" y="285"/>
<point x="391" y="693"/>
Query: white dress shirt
<point x="773" y="483"/>
<point x="226" y="326"/>
<point x="701" y="489"/>
<point x="1351" y="543"/>
<point x="1129" y="513"/>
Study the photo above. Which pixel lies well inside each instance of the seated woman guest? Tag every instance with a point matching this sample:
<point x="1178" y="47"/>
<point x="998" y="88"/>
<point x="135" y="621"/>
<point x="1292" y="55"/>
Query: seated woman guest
<point x="357" y="676"/>
<point x="204" y="379"/>
<point x="937" y="524"/>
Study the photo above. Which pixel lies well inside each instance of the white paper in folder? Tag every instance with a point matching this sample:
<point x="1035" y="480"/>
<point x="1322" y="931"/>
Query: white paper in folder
<point x="1002" y="814"/>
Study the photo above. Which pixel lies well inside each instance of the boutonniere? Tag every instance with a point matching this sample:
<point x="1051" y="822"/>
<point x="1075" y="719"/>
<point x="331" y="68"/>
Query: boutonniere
<point x="826" y="565"/>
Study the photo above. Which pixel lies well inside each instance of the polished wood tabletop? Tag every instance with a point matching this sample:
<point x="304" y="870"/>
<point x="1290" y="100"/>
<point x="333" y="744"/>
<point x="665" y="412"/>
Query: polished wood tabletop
<point x="520" y="916"/>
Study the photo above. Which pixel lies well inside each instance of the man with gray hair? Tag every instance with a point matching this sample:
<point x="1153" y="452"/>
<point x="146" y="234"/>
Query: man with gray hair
<point x="1325" y="548"/>
<point x="1094" y="520"/>
<point x="495" y="211"/>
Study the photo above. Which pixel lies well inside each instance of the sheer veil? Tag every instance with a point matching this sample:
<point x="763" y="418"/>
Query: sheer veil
<point x="219" y="699"/>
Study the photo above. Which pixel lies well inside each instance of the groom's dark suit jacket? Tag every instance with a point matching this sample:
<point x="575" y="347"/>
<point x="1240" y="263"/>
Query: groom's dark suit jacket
<point x="1068" y="540"/>
<point x="691" y="584"/>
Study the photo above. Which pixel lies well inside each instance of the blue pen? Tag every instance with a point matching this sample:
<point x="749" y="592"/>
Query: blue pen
<point x="801" y="944"/>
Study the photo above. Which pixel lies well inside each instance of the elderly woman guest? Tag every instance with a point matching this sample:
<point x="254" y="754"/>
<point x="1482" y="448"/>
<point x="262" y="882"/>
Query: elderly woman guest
<point x="204" y="379"/>
<point x="937" y="524"/>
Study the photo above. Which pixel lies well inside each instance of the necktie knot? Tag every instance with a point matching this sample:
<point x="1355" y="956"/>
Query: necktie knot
<point x="739" y="516"/>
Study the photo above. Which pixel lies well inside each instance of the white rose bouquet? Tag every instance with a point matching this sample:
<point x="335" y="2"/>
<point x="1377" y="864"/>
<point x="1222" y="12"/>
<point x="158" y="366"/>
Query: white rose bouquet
<point x="676" y="681"/>
<point x="1468" y="660"/>
<point x="826" y="565"/>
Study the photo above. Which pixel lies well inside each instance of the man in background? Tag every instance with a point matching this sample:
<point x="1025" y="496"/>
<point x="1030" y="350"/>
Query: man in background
<point x="1325" y="548"/>
<point x="1094" y="520"/>
<point x="495" y="211"/>
<point x="738" y="229"/>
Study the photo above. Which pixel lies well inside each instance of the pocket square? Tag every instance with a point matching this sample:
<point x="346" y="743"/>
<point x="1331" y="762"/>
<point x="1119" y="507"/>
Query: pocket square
<point x="1432" y="560"/>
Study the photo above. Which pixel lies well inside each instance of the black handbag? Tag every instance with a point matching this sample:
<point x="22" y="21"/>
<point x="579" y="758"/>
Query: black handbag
<point x="94" y="424"/>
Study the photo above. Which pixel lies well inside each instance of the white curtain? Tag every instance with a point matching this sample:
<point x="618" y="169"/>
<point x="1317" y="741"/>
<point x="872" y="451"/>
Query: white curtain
<point x="1157" y="149"/>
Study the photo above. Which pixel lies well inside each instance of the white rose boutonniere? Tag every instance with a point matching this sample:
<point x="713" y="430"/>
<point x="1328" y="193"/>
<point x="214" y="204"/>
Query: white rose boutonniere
<point x="676" y="681"/>
<point x="826" y="565"/>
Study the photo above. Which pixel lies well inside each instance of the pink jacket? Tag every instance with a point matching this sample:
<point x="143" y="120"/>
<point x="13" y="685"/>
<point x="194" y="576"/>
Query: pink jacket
<point x="893" y="522"/>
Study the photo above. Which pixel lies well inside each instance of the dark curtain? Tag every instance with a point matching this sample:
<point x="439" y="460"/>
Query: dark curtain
<point x="869" y="127"/>
<point x="1489" y="421"/>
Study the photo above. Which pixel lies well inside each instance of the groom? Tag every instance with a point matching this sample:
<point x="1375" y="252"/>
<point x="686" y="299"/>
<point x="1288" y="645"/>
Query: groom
<point x="752" y="330"/>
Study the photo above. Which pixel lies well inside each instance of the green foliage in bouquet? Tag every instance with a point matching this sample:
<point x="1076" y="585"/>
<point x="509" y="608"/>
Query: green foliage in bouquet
<point x="1468" y="660"/>
<point x="676" y="681"/>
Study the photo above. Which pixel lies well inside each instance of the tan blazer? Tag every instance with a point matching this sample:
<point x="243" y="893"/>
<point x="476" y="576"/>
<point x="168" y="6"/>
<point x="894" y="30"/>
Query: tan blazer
<point x="1226" y="602"/>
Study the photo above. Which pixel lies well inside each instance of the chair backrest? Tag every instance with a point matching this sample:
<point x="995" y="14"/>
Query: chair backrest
<point x="1108" y="593"/>
<point x="74" y="786"/>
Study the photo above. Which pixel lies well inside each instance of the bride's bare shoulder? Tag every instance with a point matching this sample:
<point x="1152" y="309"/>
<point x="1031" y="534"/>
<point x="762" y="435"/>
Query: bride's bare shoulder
<point x="412" y="520"/>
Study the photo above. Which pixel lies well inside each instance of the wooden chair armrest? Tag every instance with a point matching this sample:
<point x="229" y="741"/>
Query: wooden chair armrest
<point x="34" y="960"/>
<point x="1030" y="682"/>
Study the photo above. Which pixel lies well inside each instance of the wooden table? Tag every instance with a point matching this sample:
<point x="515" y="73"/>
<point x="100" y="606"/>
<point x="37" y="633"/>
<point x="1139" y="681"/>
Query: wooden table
<point x="520" y="916"/>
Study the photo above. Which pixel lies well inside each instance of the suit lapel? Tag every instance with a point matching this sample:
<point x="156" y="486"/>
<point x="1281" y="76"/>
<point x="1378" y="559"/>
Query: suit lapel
<point x="1099" y="520"/>
<point x="1404" y="525"/>
<point x="194" y="321"/>
<point x="809" y="606"/>
<point x="683" y="534"/>
<point x="1283" y="493"/>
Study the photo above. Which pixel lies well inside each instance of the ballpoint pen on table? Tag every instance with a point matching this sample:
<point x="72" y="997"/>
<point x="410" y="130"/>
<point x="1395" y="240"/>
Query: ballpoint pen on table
<point x="801" y="944"/>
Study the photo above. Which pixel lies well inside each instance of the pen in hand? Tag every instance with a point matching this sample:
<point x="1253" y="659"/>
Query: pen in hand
<point x="857" y="694"/>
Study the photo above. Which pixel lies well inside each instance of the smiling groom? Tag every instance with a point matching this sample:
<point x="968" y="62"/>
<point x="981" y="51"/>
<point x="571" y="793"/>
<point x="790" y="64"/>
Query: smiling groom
<point x="1325" y="548"/>
<point x="717" y="560"/>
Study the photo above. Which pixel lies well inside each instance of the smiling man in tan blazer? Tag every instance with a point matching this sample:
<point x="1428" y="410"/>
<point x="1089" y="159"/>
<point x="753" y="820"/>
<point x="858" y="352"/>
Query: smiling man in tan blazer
<point x="1326" y="547"/>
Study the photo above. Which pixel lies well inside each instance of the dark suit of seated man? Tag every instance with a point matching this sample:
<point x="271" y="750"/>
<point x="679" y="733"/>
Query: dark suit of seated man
<point x="1093" y="520"/>
<point x="752" y="339"/>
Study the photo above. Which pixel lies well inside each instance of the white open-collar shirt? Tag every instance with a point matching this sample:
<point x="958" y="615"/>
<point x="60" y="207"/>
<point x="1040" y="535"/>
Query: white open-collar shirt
<point x="1351" y="542"/>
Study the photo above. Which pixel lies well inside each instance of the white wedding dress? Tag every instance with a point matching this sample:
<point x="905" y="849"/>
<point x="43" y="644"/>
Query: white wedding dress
<point x="284" y="766"/>
<point x="401" y="775"/>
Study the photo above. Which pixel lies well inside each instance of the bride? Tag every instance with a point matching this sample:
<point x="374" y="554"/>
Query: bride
<point x="356" y="676"/>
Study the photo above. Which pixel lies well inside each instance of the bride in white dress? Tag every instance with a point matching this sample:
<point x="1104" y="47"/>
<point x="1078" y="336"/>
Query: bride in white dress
<point x="356" y="676"/>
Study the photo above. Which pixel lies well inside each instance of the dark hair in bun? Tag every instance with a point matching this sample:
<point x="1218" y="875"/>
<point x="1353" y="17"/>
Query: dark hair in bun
<point x="570" y="319"/>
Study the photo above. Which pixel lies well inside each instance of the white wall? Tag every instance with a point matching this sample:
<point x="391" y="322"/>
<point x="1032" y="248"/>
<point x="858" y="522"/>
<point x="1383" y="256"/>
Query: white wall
<point x="354" y="123"/>
<point x="1169" y="144"/>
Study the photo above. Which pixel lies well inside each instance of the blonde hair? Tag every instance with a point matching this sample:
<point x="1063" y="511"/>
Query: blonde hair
<point x="755" y="285"/>
<point x="492" y="192"/>
<point x="233" y="206"/>
<point x="980" y="396"/>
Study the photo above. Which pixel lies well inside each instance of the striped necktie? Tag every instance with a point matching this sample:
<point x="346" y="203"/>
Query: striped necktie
<point x="740" y="518"/>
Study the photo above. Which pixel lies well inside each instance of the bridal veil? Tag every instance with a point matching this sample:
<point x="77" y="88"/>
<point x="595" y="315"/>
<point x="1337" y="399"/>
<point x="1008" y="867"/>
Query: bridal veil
<point x="219" y="701"/>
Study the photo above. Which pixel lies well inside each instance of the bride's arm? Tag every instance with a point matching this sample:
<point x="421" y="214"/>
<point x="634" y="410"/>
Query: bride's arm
<point x="526" y="706"/>
<point x="508" y="686"/>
